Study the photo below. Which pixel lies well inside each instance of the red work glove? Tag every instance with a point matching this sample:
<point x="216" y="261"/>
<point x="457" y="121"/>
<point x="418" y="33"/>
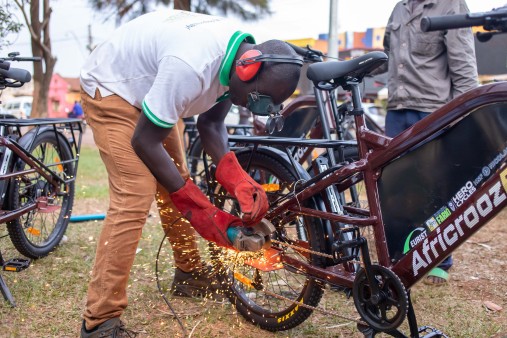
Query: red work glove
<point x="250" y="195"/>
<point x="210" y="222"/>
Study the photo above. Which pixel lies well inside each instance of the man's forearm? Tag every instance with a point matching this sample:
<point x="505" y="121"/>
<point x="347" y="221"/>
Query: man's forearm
<point x="214" y="138"/>
<point x="211" y="127"/>
<point x="147" y="143"/>
<point x="161" y="166"/>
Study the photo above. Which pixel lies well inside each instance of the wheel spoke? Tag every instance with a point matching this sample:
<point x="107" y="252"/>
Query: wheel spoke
<point x="282" y="288"/>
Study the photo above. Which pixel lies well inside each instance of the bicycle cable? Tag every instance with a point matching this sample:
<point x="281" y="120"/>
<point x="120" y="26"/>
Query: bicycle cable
<point x="160" y="287"/>
<point x="297" y="248"/>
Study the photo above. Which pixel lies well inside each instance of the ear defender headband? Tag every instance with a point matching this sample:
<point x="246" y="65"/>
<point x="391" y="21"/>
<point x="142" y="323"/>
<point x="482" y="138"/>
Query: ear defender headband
<point x="249" y="64"/>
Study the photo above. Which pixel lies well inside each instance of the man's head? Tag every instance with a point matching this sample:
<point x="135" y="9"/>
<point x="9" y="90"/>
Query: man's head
<point x="277" y="80"/>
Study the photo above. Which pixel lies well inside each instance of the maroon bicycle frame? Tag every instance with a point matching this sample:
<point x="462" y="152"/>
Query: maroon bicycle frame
<point x="375" y="152"/>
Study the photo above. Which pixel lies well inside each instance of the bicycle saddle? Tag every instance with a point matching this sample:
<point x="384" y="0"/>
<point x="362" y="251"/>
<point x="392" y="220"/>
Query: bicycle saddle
<point x="342" y="71"/>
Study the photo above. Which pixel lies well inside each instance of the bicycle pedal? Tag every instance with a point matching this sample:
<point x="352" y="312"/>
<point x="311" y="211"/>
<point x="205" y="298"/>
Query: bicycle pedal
<point x="16" y="264"/>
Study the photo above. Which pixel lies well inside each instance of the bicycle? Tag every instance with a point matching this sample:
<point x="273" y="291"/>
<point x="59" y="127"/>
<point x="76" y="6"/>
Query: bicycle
<point x="417" y="215"/>
<point x="194" y="149"/>
<point x="38" y="166"/>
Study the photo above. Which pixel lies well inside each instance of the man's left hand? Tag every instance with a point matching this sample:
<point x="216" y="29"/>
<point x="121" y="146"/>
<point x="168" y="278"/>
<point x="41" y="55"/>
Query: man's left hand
<point x="250" y="194"/>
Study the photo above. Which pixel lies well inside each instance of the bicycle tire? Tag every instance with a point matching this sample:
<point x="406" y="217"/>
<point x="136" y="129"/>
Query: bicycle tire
<point x="38" y="232"/>
<point x="267" y="312"/>
<point x="195" y="164"/>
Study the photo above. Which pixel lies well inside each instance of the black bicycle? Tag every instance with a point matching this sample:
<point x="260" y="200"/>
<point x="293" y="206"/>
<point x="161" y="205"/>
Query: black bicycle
<point x="38" y="165"/>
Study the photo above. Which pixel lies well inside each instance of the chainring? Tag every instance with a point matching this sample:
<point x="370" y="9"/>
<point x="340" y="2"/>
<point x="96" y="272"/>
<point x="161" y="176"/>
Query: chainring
<point x="387" y="310"/>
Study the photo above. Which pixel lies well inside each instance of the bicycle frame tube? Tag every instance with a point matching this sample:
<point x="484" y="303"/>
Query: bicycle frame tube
<point x="481" y="207"/>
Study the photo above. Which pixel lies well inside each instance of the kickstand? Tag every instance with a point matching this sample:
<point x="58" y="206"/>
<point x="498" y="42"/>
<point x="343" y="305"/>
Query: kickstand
<point x="370" y="332"/>
<point x="411" y="318"/>
<point x="3" y="287"/>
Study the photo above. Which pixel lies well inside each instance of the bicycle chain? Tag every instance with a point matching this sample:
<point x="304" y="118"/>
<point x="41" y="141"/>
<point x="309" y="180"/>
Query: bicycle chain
<point x="298" y="248"/>
<point x="313" y="308"/>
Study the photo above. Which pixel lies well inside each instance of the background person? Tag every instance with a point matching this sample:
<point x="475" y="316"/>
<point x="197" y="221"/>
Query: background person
<point x="77" y="110"/>
<point x="425" y="71"/>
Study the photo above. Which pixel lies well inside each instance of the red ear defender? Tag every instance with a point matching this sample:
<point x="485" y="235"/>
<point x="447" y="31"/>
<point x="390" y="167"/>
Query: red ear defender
<point x="247" y="66"/>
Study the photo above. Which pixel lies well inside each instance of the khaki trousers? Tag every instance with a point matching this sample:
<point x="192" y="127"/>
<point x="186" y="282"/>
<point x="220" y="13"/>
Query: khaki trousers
<point x="132" y="189"/>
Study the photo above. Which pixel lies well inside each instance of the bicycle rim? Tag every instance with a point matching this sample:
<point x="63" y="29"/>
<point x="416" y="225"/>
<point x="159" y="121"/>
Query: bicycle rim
<point x="36" y="233"/>
<point x="269" y="296"/>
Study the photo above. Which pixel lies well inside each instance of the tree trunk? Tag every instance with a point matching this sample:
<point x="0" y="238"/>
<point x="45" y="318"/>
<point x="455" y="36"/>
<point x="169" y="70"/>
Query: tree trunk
<point x="41" y="46"/>
<point x="182" y="4"/>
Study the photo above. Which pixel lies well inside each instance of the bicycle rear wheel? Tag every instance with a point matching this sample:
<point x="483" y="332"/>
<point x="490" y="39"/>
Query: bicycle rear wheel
<point x="271" y="297"/>
<point x="195" y="164"/>
<point x="36" y="233"/>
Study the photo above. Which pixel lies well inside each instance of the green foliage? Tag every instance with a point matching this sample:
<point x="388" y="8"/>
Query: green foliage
<point x="123" y="10"/>
<point x="8" y="24"/>
<point x="248" y="10"/>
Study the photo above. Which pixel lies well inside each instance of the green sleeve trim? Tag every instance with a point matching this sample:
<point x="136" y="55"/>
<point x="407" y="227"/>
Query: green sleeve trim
<point x="155" y="119"/>
<point x="224" y="97"/>
<point x="232" y="48"/>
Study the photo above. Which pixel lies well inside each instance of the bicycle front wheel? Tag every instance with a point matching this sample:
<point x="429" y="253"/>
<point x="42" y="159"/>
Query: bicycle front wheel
<point x="36" y="233"/>
<point x="273" y="297"/>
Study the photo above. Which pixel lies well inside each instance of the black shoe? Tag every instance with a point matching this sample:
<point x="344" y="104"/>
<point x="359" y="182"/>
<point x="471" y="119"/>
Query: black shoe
<point x="113" y="328"/>
<point x="201" y="283"/>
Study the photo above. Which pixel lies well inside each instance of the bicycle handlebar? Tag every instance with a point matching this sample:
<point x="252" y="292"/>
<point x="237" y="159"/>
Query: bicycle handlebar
<point x="16" y="74"/>
<point x="436" y="23"/>
<point x="309" y="54"/>
<point x="5" y="65"/>
<point x="14" y="57"/>
<point x="14" y="77"/>
<point x="492" y="20"/>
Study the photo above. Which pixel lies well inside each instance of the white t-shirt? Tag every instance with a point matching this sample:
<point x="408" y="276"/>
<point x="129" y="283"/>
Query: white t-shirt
<point x="166" y="62"/>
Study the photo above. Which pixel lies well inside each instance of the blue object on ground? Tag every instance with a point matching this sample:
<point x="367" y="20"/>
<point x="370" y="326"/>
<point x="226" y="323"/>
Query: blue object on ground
<point x="85" y="218"/>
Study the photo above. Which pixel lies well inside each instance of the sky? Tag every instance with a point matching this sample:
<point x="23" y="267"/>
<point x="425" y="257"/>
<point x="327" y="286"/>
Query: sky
<point x="291" y="19"/>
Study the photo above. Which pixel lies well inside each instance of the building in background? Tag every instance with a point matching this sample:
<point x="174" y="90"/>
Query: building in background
<point x="63" y="91"/>
<point x="491" y="58"/>
<point x="491" y="64"/>
<point x="350" y="45"/>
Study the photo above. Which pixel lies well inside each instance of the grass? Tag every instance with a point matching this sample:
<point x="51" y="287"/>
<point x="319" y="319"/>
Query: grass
<point x="91" y="176"/>
<point x="51" y="293"/>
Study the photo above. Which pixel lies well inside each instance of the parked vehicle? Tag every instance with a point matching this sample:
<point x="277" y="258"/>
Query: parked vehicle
<point x="20" y="107"/>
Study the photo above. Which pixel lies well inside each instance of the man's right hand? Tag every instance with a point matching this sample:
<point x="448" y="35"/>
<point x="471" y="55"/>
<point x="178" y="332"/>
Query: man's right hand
<point x="209" y="221"/>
